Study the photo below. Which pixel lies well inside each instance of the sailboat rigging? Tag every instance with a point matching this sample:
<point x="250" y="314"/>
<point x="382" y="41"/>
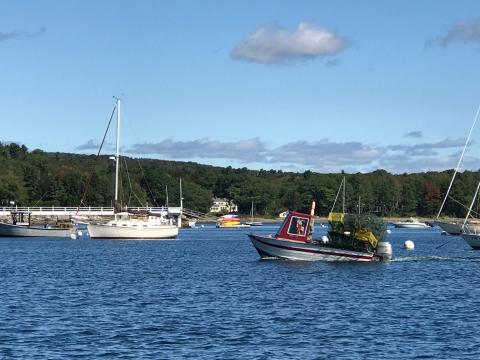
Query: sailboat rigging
<point x="126" y="225"/>
<point x="252" y="221"/>
<point x="455" y="227"/>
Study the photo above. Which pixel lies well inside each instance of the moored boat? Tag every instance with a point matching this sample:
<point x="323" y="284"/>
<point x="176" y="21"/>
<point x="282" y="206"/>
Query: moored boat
<point x="470" y="232"/>
<point x="252" y="221"/>
<point x="472" y="239"/>
<point x="129" y="225"/>
<point x="450" y="227"/>
<point x="352" y="238"/>
<point x="135" y="227"/>
<point x="411" y="223"/>
<point x="231" y="221"/>
<point x="21" y="227"/>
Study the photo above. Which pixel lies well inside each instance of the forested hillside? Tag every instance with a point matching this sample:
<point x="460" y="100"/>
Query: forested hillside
<point x="39" y="178"/>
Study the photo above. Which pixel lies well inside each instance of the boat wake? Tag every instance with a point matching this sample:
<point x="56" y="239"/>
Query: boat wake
<point x="435" y="258"/>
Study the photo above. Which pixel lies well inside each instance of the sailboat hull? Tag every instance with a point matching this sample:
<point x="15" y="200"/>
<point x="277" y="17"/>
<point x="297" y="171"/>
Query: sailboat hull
<point x="472" y="240"/>
<point x="453" y="228"/>
<point x="104" y="231"/>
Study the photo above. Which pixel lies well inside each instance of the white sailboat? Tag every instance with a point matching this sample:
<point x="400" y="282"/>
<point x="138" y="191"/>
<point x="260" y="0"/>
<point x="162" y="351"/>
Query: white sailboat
<point x="132" y="226"/>
<point x="471" y="234"/>
<point x="252" y="221"/>
<point x="454" y="227"/>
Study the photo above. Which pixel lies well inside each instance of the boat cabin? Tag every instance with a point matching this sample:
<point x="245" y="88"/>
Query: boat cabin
<point x="21" y="218"/>
<point x="296" y="227"/>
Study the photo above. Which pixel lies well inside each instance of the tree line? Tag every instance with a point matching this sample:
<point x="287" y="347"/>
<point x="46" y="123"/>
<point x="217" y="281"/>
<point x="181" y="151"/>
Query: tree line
<point x="38" y="178"/>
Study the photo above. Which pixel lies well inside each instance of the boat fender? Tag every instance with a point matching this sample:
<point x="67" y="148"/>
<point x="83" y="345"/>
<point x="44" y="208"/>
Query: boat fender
<point x="325" y="239"/>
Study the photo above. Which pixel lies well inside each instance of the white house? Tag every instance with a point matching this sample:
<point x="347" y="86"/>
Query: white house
<point x="223" y="205"/>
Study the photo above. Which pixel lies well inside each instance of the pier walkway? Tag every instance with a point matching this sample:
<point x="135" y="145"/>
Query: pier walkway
<point x="83" y="211"/>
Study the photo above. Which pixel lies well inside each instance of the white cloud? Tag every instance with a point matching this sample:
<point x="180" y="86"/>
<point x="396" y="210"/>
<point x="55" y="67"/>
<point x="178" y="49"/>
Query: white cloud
<point x="429" y="149"/>
<point x="270" y="44"/>
<point x="466" y="31"/>
<point x="89" y="145"/>
<point x="250" y="150"/>
<point x="414" y="134"/>
<point x="325" y="155"/>
<point x="16" y="34"/>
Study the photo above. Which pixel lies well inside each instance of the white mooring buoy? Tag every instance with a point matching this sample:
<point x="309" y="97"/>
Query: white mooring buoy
<point x="409" y="245"/>
<point x="73" y="236"/>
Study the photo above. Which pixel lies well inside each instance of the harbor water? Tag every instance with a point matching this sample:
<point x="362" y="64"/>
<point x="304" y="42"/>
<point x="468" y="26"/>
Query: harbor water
<point x="208" y="295"/>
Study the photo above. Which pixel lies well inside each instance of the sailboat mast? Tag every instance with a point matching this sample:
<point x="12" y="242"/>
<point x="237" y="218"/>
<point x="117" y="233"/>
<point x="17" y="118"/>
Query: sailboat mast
<point x="166" y="194"/>
<point x="251" y="212"/>
<point x="117" y="150"/>
<point x="181" y="195"/>
<point x="471" y="206"/>
<point x="458" y="165"/>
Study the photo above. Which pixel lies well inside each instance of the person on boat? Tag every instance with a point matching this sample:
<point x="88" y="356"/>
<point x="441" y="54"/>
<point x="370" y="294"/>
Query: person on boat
<point x="300" y="227"/>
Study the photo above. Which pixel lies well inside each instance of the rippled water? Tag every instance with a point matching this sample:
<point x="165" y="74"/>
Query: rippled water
<point x="207" y="295"/>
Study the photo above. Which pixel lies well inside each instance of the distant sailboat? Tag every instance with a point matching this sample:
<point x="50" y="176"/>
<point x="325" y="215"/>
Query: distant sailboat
<point x="471" y="234"/>
<point x="252" y="221"/>
<point x="132" y="226"/>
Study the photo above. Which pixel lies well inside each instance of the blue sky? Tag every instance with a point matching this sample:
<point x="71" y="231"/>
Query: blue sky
<point x="292" y="85"/>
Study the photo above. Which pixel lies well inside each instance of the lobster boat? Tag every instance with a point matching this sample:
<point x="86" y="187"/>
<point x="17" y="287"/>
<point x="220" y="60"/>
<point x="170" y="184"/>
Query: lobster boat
<point x="352" y="237"/>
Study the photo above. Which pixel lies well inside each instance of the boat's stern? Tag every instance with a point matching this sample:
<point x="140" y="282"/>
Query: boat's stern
<point x="384" y="251"/>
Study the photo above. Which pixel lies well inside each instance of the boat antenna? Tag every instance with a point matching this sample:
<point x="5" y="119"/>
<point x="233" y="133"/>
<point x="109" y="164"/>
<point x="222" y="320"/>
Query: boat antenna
<point x="312" y="223"/>
<point x="459" y="162"/>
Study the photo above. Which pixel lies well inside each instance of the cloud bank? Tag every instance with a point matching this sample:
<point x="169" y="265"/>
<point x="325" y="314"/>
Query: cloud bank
<point x="250" y="150"/>
<point x="270" y="44"/>
<point x="323" y="155"/>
